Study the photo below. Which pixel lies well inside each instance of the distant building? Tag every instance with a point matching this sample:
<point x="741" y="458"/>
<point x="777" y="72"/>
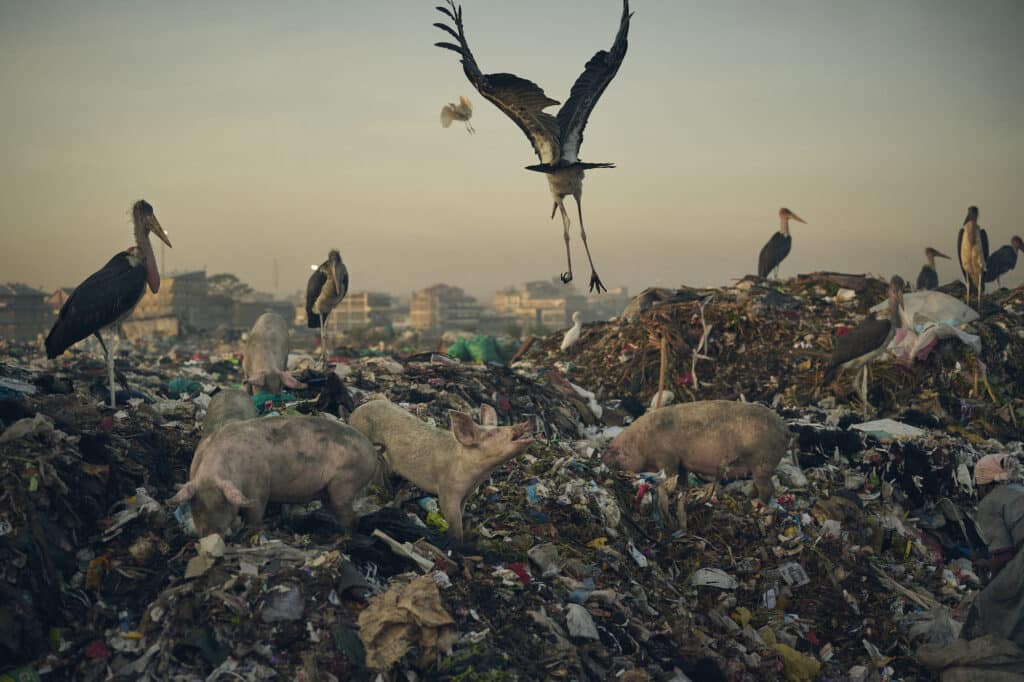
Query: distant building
<point x="58" y="298"/>
<point x="441" y="307"/>
<point x="182" y="296"/>
<point x="24" y="312"/>
<point x="546" y="304"/>
<point x="358" y="310"/>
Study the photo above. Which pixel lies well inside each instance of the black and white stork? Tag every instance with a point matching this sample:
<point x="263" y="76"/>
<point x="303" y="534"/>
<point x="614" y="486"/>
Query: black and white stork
<point x="555" y="139"/>
<point x="972" y="247"/>
<point x="864" y="343"/>
<point x="108" y="296"/>
<point x="325" y="289"/>
<point x="1002" y="260"/>
<point x="928" y="278"/>
<point x="778" y="246"/>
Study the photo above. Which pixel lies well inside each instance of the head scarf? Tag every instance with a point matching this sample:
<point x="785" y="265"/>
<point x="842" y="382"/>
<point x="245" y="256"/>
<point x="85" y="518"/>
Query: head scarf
<point x="990" y="469"/>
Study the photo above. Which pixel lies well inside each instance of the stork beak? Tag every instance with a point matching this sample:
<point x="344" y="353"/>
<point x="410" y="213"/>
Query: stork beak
<point x="153" y="225"/>
<point x="942" y="255"/>
<point x="797" y="218"/>
<point x="334" y="278"/>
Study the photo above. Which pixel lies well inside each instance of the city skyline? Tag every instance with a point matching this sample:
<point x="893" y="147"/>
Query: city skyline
<point x="260" y="132"/>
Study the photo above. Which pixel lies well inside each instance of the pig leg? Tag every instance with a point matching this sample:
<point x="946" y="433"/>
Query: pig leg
<point x="451" y="508"/>
<point x="763" y="482"/>
<point x="684" y="486"/>
<point x="341" y="492"/>
<point x="254" y="515"/>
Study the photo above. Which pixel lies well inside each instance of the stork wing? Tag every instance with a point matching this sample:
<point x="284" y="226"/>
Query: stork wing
<point x="313" y="286"/>
<point x="984" y="243"/>
<point x="597" y="74"/>
<point x="960" y="255"/>
<point x="523" y="101"/>
<point x="102" y="299"/>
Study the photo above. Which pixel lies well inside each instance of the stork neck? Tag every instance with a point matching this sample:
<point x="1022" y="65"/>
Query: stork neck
<point x="146" y="252"/>
<point x="784" y="225"/>
<point x="931" y="261"/>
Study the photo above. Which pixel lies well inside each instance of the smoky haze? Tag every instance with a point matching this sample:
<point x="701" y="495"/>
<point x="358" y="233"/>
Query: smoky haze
<point x="263" y="130"/>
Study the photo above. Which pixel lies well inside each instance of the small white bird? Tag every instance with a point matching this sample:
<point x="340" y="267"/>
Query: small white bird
<point x="573" y="335"/>
<point x="463" y="111"/>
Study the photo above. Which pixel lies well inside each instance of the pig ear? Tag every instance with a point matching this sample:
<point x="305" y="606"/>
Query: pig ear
<point x="184" y="494"/>
<point x="463" y="428"/>
<point x="488" y="417"/>
<point x="233" y="494"/>
<point x="290" y="381"/>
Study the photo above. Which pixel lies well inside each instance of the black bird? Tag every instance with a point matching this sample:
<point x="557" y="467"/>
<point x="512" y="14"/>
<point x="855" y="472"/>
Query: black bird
<point x="868" y="340"/>
<point x="325" y="289"/>
<point x="108" y="296"/>
<point x="778" y="246"/>
<point x="972" y="247"/>
<point x="555" y="139"/>
<point x="1002" y="260"/>
<point x="928" y="278"/>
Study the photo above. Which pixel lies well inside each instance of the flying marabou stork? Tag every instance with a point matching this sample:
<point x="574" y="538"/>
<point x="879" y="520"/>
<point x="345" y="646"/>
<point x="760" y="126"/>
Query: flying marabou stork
<point x="108" y="296"/>
<point x="463" y="111"/>
<point x="573" y="333"/>
<point x="928" y="278"/>
<point x="778" y="246"/>
<point x="1003" y="260"/>
<point x="861" y="345"/>
<point x="972" y="247"/>
<point x="325" y="289"/>
<point x="555" y="139"/>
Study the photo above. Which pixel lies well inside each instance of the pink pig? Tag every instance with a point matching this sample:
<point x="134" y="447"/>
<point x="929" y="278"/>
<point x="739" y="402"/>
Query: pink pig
<point x="245" y="464"/>
<point x="266" y="356"/>
<point x="711" y="437"/>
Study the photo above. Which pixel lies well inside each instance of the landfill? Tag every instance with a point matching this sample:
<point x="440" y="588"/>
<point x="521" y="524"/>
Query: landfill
<point x="857" y="568"/>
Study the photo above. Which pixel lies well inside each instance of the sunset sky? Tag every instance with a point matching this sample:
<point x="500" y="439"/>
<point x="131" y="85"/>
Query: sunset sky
<point x="268" y="129"/>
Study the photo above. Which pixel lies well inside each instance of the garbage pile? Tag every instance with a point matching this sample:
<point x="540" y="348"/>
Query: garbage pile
<point x="571" y="570"/>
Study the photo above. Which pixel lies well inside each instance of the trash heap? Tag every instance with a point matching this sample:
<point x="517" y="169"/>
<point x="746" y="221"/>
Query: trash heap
<point x="572" y="570"/>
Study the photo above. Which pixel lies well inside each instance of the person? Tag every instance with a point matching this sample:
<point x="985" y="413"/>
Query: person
<point x="999" y="608"/>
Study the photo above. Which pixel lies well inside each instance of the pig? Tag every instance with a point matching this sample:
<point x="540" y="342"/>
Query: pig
<point x="228" y="405"/>
<point x="709" y="437"/>
<point x="451" y="464"/>
<point x="266" y="356"/>
<point x="245" y="464"/>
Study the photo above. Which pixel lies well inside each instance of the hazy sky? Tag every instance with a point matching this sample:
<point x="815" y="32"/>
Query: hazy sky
<point x="269" y="129"/>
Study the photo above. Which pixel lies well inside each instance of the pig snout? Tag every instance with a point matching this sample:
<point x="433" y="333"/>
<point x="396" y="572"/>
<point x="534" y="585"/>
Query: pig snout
<point x="522" y="431"/>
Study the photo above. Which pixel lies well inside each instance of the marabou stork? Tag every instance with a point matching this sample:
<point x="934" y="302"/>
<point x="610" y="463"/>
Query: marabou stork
<point x="972" y="247"/>
<point x="928" y="278"/>
<point x="778" y="246"/>
<point x="1002" y="260"/>
<point x="861" y="345"/>
<point x="573" y="333"/>
<point x="108" y="296"/>
<point x="325" y="289"/>
<point x="555" y="139"/>
<point x="463" y="111"/>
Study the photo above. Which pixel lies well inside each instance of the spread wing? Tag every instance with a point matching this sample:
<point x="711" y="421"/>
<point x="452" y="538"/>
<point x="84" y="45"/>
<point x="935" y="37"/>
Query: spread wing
<point x="598" y="73"/>
<point x="521" y="100"/>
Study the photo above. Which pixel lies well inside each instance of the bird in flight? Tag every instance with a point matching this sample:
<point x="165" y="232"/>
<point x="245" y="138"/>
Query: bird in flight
<point x="463" y="111"/>
<point x="556" y="139"/>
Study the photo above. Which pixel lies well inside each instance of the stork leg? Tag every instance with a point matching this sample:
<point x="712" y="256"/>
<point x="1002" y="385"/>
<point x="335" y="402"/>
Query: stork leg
<point x="595" y="281"/>
<point x="566" y="277"/>
<point x="469" y="127"/>
<point x="323" y="342"/>
<point x="110" y="370"/>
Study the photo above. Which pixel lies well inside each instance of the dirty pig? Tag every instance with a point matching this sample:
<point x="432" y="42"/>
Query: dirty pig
<point x="712" y="437"/>
<point x="449" y="464"/>
<point x="266" y="356"/>
<point x="228" y="405"/>
<point x="295" y="459"/>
